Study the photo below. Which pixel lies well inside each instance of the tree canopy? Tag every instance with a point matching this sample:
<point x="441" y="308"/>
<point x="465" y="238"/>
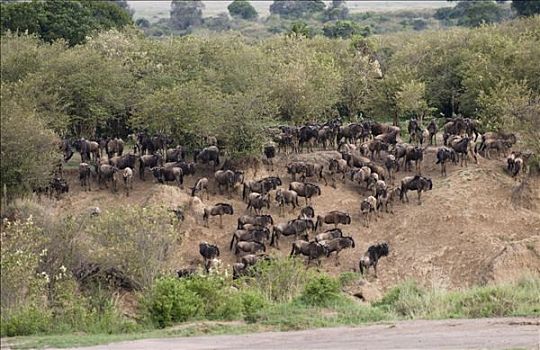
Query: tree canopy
<point x="242" y="9"/>
<point x="56" y="19"/>
<point x="186" y="14"/>
<point x="296" y="9"/>
<point x="526" y="7"/>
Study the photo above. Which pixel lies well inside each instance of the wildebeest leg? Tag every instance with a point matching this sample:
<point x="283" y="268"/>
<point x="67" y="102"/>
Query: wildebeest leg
<point x="220" y="221"/>
<point x="419" y="194"/>
<point x="375" y="268"/>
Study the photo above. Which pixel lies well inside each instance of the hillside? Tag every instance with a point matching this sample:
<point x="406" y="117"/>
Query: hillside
<point x="466" y="231"/>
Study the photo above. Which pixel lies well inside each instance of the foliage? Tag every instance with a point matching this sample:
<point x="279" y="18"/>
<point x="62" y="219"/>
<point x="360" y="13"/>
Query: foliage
<point x="472" y="13"/>
<point x="338" y="11"/>
<point x="320" y="291"/>
<point x="296" y="9"/>
<point x="56" y="19"/>
<point x="186" y="14"/>
<point x="25" y="164"/>
<point x="242" y="9"/>
<point x="526" y="7"/>
<point x="138" y="240"/>
<point x="345" y="29"/>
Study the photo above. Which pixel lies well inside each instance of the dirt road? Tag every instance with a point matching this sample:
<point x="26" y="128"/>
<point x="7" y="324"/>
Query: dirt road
<point x="498" y="333"/>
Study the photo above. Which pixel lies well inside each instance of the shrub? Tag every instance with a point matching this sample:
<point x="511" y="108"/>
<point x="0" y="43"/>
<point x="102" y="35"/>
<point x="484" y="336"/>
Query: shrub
<point x="404" y="299"/>
<point x="253" y="302"/>
<point x="321" y="291"/>
<point x="26" y="321"/>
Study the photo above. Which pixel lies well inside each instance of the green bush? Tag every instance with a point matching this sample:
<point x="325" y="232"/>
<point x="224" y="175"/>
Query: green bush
<point x="321" y="291"/>
<point x="404" y="299"/>
<point x="171" y="301"/>
<point x="26" y="321"/>
<point x="253" y="303"/>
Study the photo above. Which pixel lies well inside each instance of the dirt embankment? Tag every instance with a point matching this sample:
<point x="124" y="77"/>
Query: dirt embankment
<point x="467" y="230"/>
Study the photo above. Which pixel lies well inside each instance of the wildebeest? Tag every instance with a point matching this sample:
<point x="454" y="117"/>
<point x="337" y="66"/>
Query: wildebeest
<point x="249" y="247"/>
<point x="258" y="235"/>
<point x="262" y="186"/>
<point x="208" y="252"/>
<point x="313" y="250"/>
<point x="387" y="198"/>
<point x="305" y="189"/>
<point x="229" y="179"/>
<point x="176" y="154"/>
<point x="65" y="147"/>
<point x="107" y="173"/>
<point x="496" y="144"/>
<point x="463" y="146"/>
<point x="219" y="209"/>
<point x="187" y="168"/>
<point x="207" y="155"/>
<point x="372" y="255"/>
<point x="307" y="212"/>
<point x="432" y="129"/>
<point x="125" y="161"/>
<point x="88" y="149"/>
<point x="297" y="168"/>
<point x="415" y="183"/>
<point x="57" y="185"/>
<point x="367" y="207"/>
<point x="186" y="272"/>
<point x="392" y="166"/>
<point x="335" y="217"/>
<point x="114" y="146"/>
<point x="149" y="161"/>
<point x="293" y="227"/>
<point x="361" y="175"/>
<point x="307" y="135"/>
<point x="510" y="139"/>
<point x="84" y="175"/>
<point x="337" y="245"/>
<point x="257" y="201"/>
<point x="329" y="235"/>
<point x="445" y="154"/>
<point x="270" y="152"/>
<point x="200" y="185"/>
<point x="127" y="175"/>
<point x="416" y="154"/>
<point x="163" y="174"/>
<point x="337" y="166"/>
<point x="260" y="220"/>
<point x="415" y="131"/>
<point x="389" y="137"/>
<point x="286" y="197"/>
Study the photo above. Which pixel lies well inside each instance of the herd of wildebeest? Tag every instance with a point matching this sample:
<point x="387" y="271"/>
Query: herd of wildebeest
<point x="369" y="155"/>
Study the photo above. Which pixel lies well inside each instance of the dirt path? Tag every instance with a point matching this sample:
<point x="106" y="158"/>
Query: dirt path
<point x="497" y="333"/>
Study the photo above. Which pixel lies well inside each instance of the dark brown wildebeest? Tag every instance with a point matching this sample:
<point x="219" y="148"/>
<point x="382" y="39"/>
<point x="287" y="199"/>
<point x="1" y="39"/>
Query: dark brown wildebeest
<point x="329" y="235"/>
<point x="372" y="255"/>
<point x="286" y="197"/>
<point x="107" y="173"/>
<point x="149" y="161"/>
<point x="337" y="245"/>
<point x="84" y="176"/>
<point x="257" y="235"/>
<point x="257" y="201"/>
<point x="415" y="131"/>
<point x="416" y="154"/>
<point x="296" y="168"/>
<point x="313" y="250"/>
<point x="336" y="166"/>
<point x="187" y="168"/>
<point x="389" y="137"/>
<point x="209" y="252"/>
<point x="432" y="130"/>
<point x="464" y="147"/>
<point x="229" y="179"/>
<point x="307" y="212"/>
<point x="293" y="227"/>
<point x="125" y="161"/>
<point x="445" y="154"/>
<point x="176" y="154"/>
<point x="414" y="183"/>
<point x="89" y="150"/>
<point x="249" y="247"/>
<point x="262" y="186"/>
<point x="259" y="220"/>
<point x="207" y="155"/>
<point x="392" y="166"/>
<point x="305" y="189"/>
<point x="314" y="170"/>
<point x="333" y="217"/>
<point x="114" y="146"/>
<point x="163" y="174"/>
<point x="270" y="153"/>
<point x="219" y="209"/>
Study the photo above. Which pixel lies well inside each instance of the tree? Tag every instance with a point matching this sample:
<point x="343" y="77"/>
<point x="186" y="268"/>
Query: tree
<point x="142" y="23"/>
<point x="300" y="28"/>
<point x="471" y="13"/>
<point x="345" y="29"/>
<point x="296" y="9"/>
<point x="57" y="19"/>
<point x="411" y="100"/>
<point x="242" y="9"/>
<point x="338" y="10"/>
<point x="526" y="7"/>
<point x="186" y="14"/>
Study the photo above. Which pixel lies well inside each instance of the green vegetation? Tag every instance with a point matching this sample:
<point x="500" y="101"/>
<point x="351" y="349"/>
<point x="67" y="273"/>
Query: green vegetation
<point x="56" y="19"/>
<point x="242" y="9"/>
